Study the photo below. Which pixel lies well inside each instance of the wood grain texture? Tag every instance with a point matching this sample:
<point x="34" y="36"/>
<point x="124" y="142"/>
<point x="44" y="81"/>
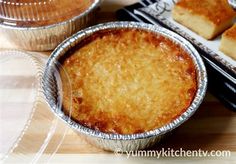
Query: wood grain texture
<point x="213" y="127"/>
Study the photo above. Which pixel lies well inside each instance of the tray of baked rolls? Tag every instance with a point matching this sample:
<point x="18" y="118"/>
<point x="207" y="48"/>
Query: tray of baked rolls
<point x="210" y="25"/>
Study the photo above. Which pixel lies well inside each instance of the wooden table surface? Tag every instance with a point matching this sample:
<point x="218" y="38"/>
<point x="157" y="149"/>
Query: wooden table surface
<point x="213" y="126"/>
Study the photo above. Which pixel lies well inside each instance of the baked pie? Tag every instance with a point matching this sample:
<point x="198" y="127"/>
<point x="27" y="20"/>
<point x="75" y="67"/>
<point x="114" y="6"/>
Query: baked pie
<point x="127" y="81"/>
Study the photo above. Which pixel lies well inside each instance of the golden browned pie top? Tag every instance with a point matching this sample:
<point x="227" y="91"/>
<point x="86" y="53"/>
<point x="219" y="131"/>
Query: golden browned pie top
<point x="217" y="11"/>
<point x="41" y="13"/>
<point x="127" y="81"/>
<point x="231" y="33"/>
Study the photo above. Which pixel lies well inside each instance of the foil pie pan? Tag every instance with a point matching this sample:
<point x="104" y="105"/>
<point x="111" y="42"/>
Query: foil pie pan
<point x="114" y="142"/>
<point x="44" y="38"/>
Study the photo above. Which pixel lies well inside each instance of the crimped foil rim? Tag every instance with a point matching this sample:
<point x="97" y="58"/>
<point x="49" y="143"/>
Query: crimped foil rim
<point x="73" y="40"/>
<point x="95" y="4"/>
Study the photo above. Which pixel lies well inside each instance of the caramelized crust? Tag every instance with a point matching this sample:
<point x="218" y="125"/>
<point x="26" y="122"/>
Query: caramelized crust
<point x="231" y="33"/>
<point x="216" y="11"/>
<point x="28" y="13"/>
<point x="228" y="42"/>
<point x="127" y="81"/>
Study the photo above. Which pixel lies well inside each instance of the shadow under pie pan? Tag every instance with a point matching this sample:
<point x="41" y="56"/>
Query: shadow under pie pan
<point x="52" y="85"/>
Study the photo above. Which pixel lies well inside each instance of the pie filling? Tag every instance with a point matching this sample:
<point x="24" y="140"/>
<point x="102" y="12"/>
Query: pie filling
<point x="127" y="81"/>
